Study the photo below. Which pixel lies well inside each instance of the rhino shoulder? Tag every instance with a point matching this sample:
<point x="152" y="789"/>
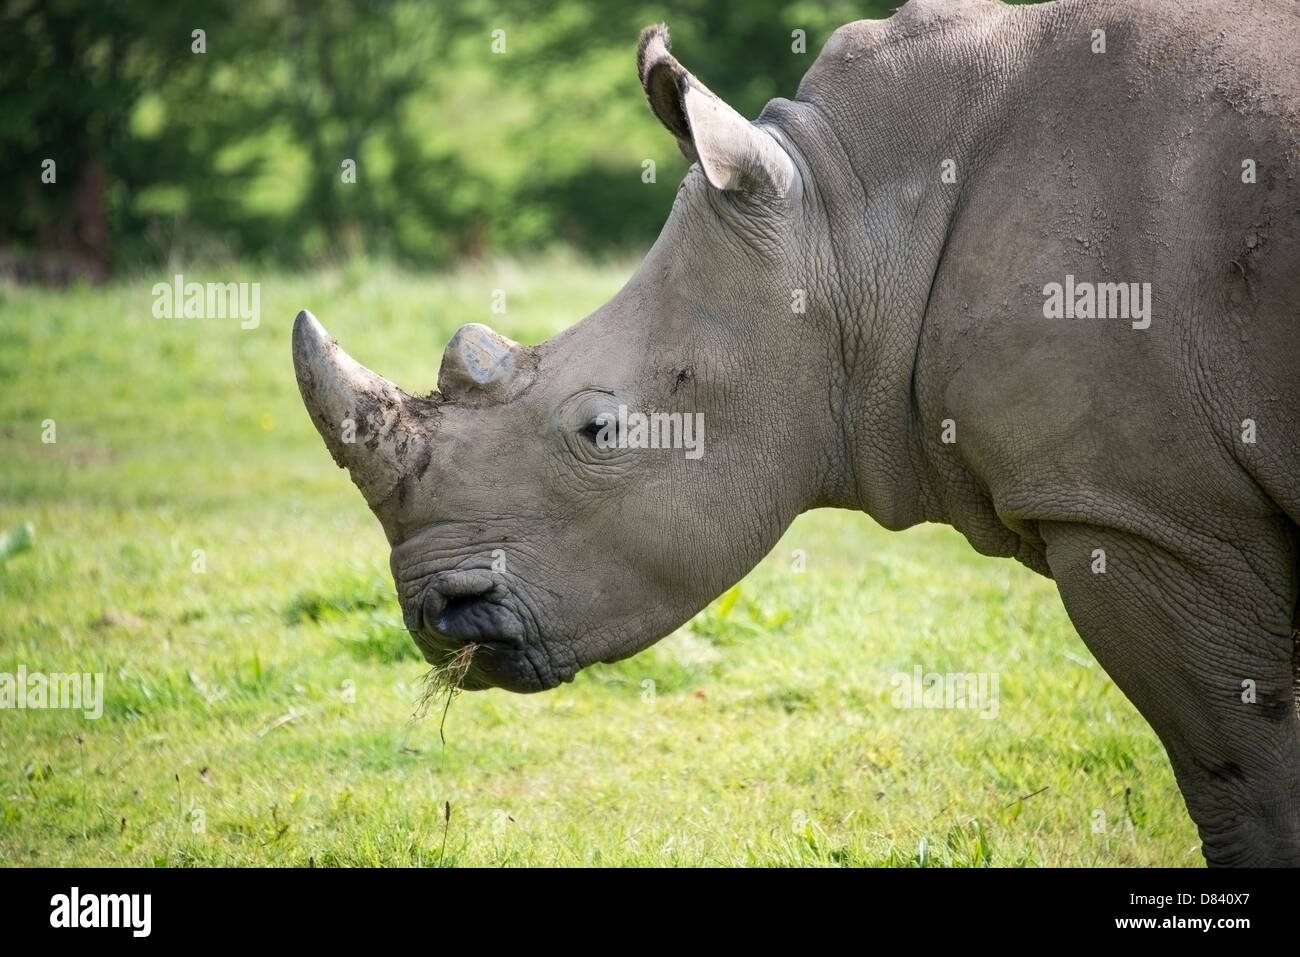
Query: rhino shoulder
<point x="861" y="39"/>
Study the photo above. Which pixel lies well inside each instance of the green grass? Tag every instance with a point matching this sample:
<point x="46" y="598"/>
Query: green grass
<point x="770" y="738"/>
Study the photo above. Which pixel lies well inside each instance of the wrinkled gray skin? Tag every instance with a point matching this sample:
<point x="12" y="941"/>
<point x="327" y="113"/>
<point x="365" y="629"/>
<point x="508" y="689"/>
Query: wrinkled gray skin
<point x="924" y="303"/>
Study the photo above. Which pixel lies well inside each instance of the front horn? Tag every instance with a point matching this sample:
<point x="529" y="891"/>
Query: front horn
<point x="365" y="420"/>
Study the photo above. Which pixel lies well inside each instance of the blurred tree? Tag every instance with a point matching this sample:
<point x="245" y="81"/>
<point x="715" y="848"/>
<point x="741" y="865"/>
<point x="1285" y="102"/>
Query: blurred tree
<point x="70" y="74"/>
<point x="475" y="126"/>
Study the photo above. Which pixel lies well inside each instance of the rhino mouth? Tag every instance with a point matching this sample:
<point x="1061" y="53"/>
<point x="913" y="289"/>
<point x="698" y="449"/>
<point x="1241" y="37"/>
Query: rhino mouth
<point x="501" y="656"/>
<point x="492" y="662"/>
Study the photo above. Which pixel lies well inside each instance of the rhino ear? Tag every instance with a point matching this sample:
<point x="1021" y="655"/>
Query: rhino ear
<point x="734" y="153"/>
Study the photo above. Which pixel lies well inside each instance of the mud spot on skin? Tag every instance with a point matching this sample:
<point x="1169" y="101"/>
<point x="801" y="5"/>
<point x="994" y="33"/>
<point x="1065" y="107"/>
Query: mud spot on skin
<point x="422" y="464"/>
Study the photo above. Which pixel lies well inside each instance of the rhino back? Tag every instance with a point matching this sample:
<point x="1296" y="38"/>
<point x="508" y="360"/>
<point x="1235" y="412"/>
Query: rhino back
<point x="1123" y="166"/>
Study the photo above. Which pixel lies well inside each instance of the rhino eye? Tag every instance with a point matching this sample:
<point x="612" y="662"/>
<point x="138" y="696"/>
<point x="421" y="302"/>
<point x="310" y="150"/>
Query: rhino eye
<point x="591" y="430"/>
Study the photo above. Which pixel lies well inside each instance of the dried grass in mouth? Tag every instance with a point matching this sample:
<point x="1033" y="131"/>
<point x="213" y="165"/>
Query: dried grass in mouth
<point x="444" y="680"/>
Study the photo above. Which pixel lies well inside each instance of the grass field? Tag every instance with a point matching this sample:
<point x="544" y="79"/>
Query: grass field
<point x="229" y="733"/>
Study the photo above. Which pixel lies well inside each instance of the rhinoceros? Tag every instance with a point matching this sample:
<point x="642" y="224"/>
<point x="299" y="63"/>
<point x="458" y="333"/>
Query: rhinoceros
<point x="1030" y="271"/>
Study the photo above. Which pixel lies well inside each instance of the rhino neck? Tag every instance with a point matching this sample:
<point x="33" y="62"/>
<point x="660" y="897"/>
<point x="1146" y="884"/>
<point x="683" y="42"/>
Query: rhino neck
<point x="886" y="104"/>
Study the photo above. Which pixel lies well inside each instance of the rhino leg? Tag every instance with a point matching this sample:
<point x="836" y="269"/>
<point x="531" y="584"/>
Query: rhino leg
<point x="1197" y="632"/>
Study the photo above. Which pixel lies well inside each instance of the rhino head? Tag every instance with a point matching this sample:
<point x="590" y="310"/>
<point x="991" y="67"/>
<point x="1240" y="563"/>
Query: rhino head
<point x="521" y="522"/>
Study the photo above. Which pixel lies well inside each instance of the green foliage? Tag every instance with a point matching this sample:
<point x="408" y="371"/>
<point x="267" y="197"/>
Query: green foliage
<point x="166" y="156"/>
<point x="17" y="539"/>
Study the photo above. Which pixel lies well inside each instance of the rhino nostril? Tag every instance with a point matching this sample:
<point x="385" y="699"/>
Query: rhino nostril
<point x="470" y="604"/>
<point x="480" y="619"/>
<point x="457" y="606"/>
